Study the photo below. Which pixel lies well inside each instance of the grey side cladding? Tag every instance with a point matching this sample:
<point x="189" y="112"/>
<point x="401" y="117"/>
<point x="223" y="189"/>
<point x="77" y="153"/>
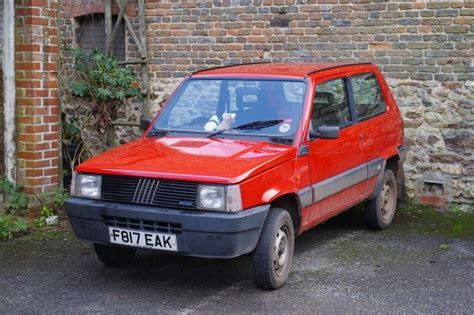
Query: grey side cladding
<point x="340" y="182"/>
<point x="374" y="167"/>
<point x="305" y="196"/>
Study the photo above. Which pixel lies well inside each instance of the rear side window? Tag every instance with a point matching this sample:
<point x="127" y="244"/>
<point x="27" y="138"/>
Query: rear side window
<point x="368" y="97"/>
<point x="330" y="107"/>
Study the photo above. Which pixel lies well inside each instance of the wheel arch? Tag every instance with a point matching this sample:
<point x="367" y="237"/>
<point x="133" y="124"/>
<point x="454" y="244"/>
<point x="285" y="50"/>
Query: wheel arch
<point x="291" y="203"/>
<point x="395" y="164"/>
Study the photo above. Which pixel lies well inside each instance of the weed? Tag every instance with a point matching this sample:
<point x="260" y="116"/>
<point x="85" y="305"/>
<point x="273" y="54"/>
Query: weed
<point x="58" y="198"/>
<point x="45" y="213"/>
<point x="16" y="201"/>
<point x="11" y="225"/>
<point x="444" y="246"/>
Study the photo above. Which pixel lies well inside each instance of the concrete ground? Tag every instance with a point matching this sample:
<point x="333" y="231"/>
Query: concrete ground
<point x="424" y="263"/>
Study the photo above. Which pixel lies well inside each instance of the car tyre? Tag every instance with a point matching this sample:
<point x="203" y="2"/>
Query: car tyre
<point x="273" y="256"/>
<point x="380" y="210"/>
<point x="114" y="255"/>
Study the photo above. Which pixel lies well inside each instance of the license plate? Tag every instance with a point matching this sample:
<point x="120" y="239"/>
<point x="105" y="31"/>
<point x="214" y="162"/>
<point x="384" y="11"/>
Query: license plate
<point x="162" y="241"/>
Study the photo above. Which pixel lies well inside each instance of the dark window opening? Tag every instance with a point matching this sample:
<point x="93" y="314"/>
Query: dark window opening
<point x="91" y="34"/>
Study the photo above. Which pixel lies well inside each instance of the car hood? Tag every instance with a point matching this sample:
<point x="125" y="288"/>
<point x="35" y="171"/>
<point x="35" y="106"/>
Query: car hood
<point x="213" y="160"/>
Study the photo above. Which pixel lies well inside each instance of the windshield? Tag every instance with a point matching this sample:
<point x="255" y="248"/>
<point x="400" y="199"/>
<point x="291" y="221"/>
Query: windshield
<point x="208" y="106"/>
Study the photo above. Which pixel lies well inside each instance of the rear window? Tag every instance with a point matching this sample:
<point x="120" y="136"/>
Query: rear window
<point x="368" y="98"/>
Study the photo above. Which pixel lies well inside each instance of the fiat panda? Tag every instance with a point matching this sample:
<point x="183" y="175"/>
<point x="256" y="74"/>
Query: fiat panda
<point x="241" y="160"/>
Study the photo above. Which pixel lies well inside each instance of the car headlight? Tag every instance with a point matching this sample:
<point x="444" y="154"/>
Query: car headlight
<point x="219" y="198"/>
<point x="87" y="186"/>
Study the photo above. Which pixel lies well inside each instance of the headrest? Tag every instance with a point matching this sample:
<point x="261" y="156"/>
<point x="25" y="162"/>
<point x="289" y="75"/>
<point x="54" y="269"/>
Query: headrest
<point x="326" y="98"/>
<point x="240" y="91"/>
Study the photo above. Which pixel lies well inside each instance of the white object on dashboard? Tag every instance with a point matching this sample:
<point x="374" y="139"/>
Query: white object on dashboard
<point x="214" y="121"/>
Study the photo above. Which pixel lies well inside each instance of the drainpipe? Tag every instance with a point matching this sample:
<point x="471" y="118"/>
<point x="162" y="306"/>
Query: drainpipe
<point x="9" y="90"/>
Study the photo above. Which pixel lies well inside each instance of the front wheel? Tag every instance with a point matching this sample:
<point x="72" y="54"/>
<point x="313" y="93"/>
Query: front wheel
<point x="273" y="256"/>
<point x="379" y="211"/>
<point x="114" y="255"/>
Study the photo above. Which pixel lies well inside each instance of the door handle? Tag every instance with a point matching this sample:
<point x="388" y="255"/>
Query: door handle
<point x="362" y="137"/>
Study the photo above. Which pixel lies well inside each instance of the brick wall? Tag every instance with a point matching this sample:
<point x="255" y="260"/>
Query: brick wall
<point x="36" y="54"/>
<point x="409" y="40"/>
<point x="424" y="48"/>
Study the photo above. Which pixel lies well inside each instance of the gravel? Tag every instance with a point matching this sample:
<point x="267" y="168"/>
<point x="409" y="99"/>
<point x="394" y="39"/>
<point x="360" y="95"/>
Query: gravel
<point x="339" y="267"/>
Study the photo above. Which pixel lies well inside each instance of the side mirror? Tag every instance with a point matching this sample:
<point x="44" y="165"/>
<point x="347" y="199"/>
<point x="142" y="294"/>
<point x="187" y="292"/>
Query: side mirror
<point x="325" y="132"/>
<point x="144" y="123"/>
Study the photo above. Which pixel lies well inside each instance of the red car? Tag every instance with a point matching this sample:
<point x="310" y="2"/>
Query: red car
<point x="241" y="160"/>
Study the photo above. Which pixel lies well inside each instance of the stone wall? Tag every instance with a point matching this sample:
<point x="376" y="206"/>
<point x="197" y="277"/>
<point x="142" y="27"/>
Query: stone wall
<point x="424" y="48"/>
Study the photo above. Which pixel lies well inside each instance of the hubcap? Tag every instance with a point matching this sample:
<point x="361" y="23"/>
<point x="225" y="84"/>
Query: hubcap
<point x="280" y="250"/>
<point x="387" y="201"/>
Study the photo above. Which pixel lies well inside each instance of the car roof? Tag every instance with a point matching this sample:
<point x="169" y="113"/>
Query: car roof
<point x="295" y="70"/>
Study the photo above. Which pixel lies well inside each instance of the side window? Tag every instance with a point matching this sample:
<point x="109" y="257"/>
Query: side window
<point x="330" y="107"/>
<point x="368" y="98"/>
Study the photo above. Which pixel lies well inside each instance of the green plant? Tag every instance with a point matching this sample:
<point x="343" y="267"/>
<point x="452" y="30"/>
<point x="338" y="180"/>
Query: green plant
<point x="444" y="246"/>
<point x="11" y="225"/>
<point x="92" y="92"/>
<point x="16" y="201"/>
<point x="99" y="79"/>
<point x="455" y="209"/>
<point x="45" y="213"/>
<point x="58" y="198"/>
<point x="57" y="202"/>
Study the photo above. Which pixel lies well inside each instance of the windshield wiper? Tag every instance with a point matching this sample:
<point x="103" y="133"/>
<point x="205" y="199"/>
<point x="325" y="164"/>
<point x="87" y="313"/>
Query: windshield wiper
<point x="157" y="133"/>
<point x="254" y="125"/>
<point x="281" y="140"/>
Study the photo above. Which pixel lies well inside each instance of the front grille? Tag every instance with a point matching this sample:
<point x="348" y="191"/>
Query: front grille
<point x="149" y="191"/>
<point x="143" y="225"/>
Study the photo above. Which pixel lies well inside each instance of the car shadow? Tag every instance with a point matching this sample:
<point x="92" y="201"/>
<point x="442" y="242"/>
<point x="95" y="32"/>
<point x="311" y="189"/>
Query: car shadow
<point x="190" y="272"/>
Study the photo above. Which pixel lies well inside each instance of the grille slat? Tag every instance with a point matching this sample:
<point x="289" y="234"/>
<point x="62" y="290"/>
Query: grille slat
<point x="149" y="191"/>
<point x="143" y="225"/>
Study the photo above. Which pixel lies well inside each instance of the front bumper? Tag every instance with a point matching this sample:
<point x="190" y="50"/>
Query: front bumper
<point x="199" y="233"/>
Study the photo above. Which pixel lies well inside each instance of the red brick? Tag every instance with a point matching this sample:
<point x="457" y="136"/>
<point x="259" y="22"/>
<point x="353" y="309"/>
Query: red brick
<point x="50" y="101"/>
<point x="37" y="163"/>
<point x="30" y="137"/>
<point x="27" y="11"/>
<point x="28" y="101"/>
<point x="50" y="136"/>
<point x="29" y="155"/>
<point x="37" y="181"/>
<point x="27" y="47"/>
<point x="50" y="119"/>
<point x="28" y="119"/>
<point x="51" y="84"/>
<point x="35" y="21"/>
<point x="28" y="84"/>
<point x="33" y="172"/>
<point x="36" y="128"/>
<point x="50" y="171"/>
<point x="28" y="66"/>
<point x="50" y="154"/>
<point x="36" y="93"/>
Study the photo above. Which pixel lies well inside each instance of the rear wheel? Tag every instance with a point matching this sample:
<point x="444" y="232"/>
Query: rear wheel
<point x="273" y="256"/>
<point x="114" y="255"/>
<point x="379" y="211"/>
